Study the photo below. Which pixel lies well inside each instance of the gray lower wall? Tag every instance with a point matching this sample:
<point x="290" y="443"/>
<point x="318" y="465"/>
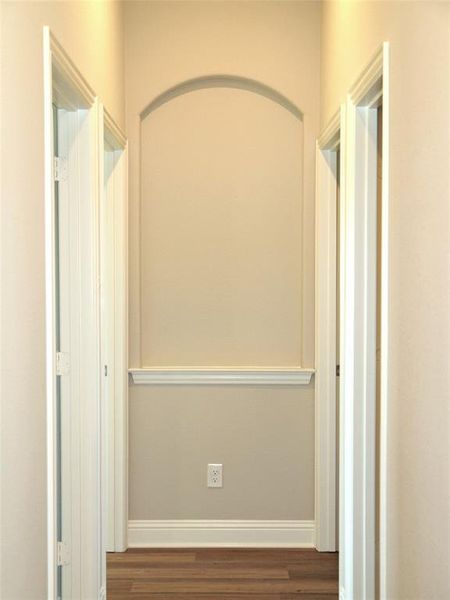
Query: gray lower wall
<point x="264" y="436"/>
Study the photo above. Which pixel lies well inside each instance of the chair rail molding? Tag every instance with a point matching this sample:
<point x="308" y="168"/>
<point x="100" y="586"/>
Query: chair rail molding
<point x="221" y="376"/>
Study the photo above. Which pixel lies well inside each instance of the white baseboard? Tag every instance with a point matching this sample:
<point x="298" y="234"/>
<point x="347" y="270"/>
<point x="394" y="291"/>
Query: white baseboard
<point x="221" y="534"/>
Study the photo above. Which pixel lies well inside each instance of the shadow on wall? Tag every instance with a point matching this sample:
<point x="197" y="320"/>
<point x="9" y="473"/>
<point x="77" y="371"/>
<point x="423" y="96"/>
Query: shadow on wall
<point x="222" y="81"/>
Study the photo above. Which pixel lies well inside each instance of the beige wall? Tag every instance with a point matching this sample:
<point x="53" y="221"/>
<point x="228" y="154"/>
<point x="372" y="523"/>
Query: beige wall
<point x="91" y="32"/>
<point x="221" y="231"/>
<point x="418" y="411"/>
<point x="277" y="44"/>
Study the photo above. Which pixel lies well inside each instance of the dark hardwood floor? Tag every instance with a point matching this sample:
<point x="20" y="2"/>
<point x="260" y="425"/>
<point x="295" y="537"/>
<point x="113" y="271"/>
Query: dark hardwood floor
<point x="223" y="574"/>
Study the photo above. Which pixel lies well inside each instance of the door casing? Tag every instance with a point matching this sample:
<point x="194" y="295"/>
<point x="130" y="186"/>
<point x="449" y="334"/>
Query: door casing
<point x="84" y="128"/>
<point x="358" y="184"/>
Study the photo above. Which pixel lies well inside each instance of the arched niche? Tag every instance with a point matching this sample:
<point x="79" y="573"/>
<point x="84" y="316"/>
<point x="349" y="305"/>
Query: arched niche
<point x="221" y="226"/>
<point x="222" y="81"/>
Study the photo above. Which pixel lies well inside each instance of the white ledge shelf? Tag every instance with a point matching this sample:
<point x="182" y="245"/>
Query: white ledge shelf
<point x="221" y="376"/>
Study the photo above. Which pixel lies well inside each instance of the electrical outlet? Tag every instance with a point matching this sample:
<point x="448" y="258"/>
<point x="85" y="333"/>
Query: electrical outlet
<point x="215" y="476"/>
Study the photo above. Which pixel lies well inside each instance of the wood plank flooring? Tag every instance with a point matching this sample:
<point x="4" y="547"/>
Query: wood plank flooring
<point x="222" y="574"/>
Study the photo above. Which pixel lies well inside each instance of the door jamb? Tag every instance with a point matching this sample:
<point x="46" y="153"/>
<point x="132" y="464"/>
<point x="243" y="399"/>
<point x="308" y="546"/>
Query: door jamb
<point x="325" y="349"/>
<point x="118" y="142"/>
<point x="358" y="459"/>
<point x="357" y="561"/>
<point x="63" y="82"/>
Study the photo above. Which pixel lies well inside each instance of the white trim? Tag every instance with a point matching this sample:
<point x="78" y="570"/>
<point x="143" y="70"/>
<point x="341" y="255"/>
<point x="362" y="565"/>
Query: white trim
<point x="325" y="348"/>
<point x="118" y="348"/>
<point x="105" y="398"/>
<point x="384" y="365"/>
<point x="64" y="85"/>
<point x="330" y="136"/>
<point x="358" y="276"/>
<point x="113" y="133"/>
<point x="121" y="354"/>
<point x="50" y="317"/>
<point x="357" y="438"/>
<point x="67" y="79"/>
<point x="358" y="358"/>
<point x="346" y="567"/>
<point x="90" y="379"/>
<point x="221" y="376"/>
<point x="369" y="84"/>
<point x="220" y="534"/>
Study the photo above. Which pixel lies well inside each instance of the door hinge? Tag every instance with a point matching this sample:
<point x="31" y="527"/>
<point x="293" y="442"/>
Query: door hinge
<point x="106" y="370"/>
<point x="62" y="554"/>
<point x="338" y="370"/>
<point x="62" y="363"/>
<point x="59" y="168"/>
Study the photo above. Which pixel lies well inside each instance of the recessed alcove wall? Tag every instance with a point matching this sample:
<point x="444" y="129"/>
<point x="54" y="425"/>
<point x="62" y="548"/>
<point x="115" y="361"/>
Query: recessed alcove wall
<point x="222" y="117"/>
<point x="221" y="213"/>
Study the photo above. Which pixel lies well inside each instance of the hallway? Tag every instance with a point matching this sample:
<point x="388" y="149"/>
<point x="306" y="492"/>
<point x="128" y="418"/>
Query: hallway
<point x="224" y="305"/>
<point x="218" y="574"/>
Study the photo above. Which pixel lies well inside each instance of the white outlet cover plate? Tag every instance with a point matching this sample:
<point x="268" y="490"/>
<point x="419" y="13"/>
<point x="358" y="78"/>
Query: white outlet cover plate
<point x="214" y="476"/>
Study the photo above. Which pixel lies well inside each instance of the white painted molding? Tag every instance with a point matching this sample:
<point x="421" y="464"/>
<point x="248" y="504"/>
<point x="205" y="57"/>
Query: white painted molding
<point x="325" y="347"/>
<point x="115" y="192"/>
<point x="357" y="568"/>
<point x="221" y="376"/>
<point x="50" y="311"/>
<point x="221" y="534"/>
<point x="113" y="133"/>
<point x="65" y="86"/>
<point x="67" y="79"/>
<point x="330" y="136"/>
<point x="385" y="295"/>
<point x="368" y="87"/>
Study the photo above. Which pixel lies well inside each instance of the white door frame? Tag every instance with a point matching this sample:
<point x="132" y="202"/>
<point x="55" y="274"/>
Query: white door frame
<point x="357" y="350"/>
<point x="325" y="347"/>
<point x="115" y="423"/>
<point x="64" y="85"/>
